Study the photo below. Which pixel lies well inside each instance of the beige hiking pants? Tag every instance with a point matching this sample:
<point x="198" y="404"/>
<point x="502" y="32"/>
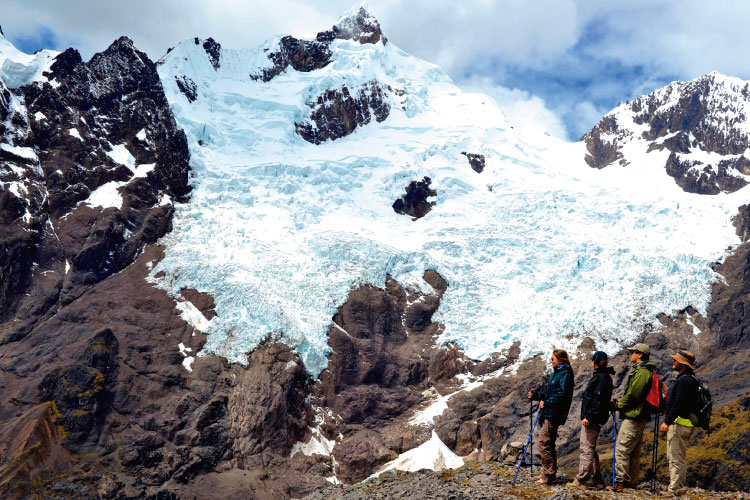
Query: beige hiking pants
<point x="677" y="441"/>
<point x="628" y="451"/>
<point x="588" y="462"/>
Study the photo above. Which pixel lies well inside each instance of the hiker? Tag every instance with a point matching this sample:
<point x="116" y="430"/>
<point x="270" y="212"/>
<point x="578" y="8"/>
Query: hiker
<point x="554" y="404"/>
<point x="634" y="417"/>
<point x="677" y="423"/>
<point x="594" y="414"/>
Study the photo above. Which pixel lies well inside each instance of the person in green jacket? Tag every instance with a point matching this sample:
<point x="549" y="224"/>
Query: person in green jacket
<point x="634" y="417"/>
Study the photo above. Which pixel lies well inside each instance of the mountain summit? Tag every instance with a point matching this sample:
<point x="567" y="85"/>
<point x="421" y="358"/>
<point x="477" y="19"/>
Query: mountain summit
<point x="700" y="126"/>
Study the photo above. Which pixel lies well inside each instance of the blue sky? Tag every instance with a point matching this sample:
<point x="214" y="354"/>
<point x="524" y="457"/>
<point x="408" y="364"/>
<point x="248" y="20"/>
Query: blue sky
<point x="552" y="65"/>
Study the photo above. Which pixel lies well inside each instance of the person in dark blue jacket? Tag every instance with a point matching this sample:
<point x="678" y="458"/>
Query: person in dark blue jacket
<point x="554" y="404"/>
<point x="595" y="406"/>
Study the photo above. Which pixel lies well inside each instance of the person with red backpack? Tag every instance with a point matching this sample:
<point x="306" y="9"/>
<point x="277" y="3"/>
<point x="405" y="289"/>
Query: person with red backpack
<point x="634" y="414"/>
<point x="677" y="422"/>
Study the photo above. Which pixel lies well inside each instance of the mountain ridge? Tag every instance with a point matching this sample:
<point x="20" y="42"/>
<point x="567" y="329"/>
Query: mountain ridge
<point x="122" y="369"/>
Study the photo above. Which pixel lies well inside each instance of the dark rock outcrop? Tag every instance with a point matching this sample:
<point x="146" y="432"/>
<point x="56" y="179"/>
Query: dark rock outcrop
<point x="701" y="114"/>
<point x="188" y="87"/>
<point x="213" y="50"/>
<point x="601" y="151"/>
<point x="414" y="202"/>
<point x="309" y="55"/>
<point x="69" y="139"/>
<point x="475" y="160"/>
<point x="336" y="113"/>
<point x="361" y="27"/>
<point x="301" y="55"/>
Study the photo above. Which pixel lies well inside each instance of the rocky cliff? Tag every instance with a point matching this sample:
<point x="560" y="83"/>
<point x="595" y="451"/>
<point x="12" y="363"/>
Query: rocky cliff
<point x="106" y="395"/>
<point x="700" y="126"/>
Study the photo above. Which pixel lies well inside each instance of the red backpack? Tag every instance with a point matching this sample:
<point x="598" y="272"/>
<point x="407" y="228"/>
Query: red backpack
<point x="656" y="397"/>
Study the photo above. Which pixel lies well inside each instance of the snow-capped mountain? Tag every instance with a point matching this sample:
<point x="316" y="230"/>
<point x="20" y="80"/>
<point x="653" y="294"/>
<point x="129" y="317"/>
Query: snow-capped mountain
<point x="359" y="273"/>
<point x="702" y="125"/>
<point x="302" y="151"/>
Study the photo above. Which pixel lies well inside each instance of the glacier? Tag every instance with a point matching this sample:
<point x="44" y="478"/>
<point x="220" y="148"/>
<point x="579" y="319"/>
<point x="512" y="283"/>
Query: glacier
<point x="538" y="248"/>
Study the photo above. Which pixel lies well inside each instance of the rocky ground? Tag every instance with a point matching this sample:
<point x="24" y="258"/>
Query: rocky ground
<point x="485" y="480"/>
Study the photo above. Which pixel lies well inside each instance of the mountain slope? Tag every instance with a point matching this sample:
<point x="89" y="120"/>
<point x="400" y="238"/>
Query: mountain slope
<point x="301" y="170"/>
<point x="700" y="124"/>
<point x="366" y="264"/>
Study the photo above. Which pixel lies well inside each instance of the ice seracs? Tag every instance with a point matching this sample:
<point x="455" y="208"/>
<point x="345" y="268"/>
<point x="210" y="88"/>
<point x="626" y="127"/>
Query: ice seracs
<point x="537" y="246"/>
<point x="18" y="68"/>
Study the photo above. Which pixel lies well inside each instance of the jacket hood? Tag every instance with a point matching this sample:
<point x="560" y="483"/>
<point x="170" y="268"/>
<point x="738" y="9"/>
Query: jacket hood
<point x="606" y="369"/>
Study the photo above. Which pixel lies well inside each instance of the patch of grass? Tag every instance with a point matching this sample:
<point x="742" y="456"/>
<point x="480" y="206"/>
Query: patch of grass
<point x="719" y="460"/>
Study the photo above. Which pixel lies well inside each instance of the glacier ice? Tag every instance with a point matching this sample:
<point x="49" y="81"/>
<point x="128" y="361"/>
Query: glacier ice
<point x="537" y="248"/>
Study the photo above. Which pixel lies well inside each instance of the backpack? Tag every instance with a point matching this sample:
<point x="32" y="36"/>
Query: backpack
<point x="703" y="406"/>
<point x="656" y="397"/>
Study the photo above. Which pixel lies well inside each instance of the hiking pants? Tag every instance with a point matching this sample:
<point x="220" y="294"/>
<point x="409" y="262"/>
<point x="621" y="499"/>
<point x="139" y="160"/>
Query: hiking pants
<point x="677" y="440"/>
<point x="546" y="444"/>
<point x="628" y="451"/>
<point x="588" y="462"/>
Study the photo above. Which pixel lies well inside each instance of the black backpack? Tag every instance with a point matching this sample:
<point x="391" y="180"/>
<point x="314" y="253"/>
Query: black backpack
<point x="703" y="406"/>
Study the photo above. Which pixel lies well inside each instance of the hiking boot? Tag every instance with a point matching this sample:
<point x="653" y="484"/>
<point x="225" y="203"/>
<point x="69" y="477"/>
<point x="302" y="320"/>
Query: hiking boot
<point x="617" y="488"/>
<point x="576" y="484"/>
<point x="545" y="481"/>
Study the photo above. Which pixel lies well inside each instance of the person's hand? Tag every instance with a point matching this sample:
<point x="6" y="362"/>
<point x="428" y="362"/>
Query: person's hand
<point x="585" y="422"/>
<point x="541" y="404"/>
<point x="531" y="394"/>
<point x="614" y="404"/>
<point x="663" y="427"/>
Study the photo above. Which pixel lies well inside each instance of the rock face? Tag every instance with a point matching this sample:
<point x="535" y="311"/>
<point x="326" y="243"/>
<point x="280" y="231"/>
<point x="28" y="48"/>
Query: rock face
<point x="309" y="55"/>
<point x="92" y="164"/>
<point x="360" y="26"/>
<point x="382" y="360"/>
<point x="213" y="50"/>
<point x="415" y="202"/>
<point x="475" y="160"/>
<point x="301" y="55"/>
<point x="336" y="113"/>
<point x="697" y="122"/>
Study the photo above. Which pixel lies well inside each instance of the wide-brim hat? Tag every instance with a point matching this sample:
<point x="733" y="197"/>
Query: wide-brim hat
<point x="684" y="357"/>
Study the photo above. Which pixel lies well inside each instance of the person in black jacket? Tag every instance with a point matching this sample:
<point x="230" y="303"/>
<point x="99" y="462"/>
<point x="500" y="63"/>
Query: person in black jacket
<point x="677" y="424"/>
<point x="554" y="404"/>
<point x="594" y="414"/>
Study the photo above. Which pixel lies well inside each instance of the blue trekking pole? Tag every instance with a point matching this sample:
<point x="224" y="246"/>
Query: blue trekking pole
<point x="614" y="442"/>
<point x="531" y="429"/>
<point x="531" y="436"/>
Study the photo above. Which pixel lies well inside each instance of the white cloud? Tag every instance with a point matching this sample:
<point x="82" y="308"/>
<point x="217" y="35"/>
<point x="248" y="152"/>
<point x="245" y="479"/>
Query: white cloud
<point x="579" y="56"/>
<point x="527" y="113"/>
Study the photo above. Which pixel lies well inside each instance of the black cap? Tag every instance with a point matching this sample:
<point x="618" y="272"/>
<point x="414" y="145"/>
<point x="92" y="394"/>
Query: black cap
<point x="599" y="356"/>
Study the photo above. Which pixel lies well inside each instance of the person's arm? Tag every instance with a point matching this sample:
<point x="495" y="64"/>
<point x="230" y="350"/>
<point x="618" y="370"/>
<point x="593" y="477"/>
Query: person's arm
<point x="638" y="388"/>
<point x="558" y="391"/>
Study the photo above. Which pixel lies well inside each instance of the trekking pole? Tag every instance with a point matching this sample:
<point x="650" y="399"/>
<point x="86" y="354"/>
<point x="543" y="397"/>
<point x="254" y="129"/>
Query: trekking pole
<point x="531" y="429"/>
<point x="531" y="437"/>
<point x="614" y="442"/>
<point x="654" y="455"/>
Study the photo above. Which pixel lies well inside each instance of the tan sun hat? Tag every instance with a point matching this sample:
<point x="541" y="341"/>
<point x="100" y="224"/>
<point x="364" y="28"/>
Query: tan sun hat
<point x="642" y="348"/>
<point x="685" y="357"/>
